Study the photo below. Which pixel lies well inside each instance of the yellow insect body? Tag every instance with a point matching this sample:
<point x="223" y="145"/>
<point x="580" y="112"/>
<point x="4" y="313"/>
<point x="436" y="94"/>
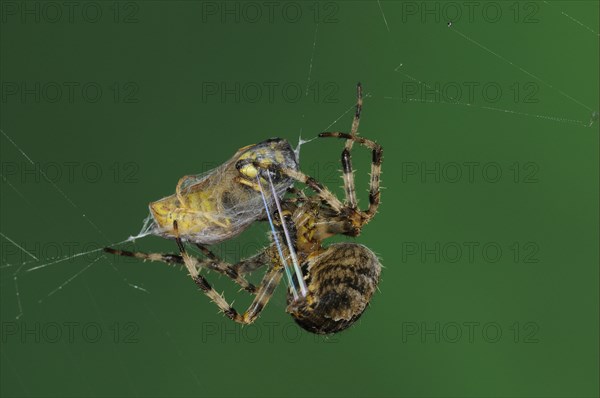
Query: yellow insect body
<point x="220" y="204"/>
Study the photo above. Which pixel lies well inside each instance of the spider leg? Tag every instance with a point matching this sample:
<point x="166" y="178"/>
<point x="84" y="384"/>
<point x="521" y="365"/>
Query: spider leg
<point x="322" y="192"/>
<point x="234" y="270"/>
<point x="356" y="120"/>
<point x="263" y="295"/>
<point x="213" y="263"/>
<point x="349" y="186"/>
<point x="300" y="195"/>
<point x="348" y="176"/>
<point x="374" y="185"/>
<point x="251" y="264"/>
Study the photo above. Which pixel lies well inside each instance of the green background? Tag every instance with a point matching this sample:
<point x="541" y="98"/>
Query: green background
<point x="540" y="292"/>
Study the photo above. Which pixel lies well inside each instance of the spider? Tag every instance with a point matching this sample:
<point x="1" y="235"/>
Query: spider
<point x="337" y="281"/>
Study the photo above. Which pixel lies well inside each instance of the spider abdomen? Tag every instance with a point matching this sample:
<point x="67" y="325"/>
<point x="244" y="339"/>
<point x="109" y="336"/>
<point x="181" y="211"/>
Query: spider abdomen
<point x="341" y="282"/>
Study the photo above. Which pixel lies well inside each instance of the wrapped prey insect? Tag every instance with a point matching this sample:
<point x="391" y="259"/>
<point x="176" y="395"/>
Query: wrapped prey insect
<point x="218" y="205"/>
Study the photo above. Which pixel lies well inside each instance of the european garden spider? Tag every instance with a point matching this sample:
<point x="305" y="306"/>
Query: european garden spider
<point x="337" y="281"/>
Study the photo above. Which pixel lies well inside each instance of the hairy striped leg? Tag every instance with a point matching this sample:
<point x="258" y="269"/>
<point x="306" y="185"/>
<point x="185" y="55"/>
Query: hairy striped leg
<point x="214" y="263"/>
<point x="347" y="158"/>
<point x="325" y="194"/>
<point x="263" y="294"/>
<point x="322" y="192"/>
<point x="374" y="185"/>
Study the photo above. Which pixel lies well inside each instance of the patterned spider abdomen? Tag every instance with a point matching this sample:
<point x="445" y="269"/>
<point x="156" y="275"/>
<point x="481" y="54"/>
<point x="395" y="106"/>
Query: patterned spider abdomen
<point x="341" y="281"/>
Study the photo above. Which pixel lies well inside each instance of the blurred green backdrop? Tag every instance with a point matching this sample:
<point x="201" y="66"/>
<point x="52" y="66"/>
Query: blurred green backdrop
<point x="488" y="228"/>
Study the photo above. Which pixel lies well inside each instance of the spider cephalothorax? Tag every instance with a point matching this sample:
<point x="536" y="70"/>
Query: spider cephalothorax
<point x="331" y="286"/>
